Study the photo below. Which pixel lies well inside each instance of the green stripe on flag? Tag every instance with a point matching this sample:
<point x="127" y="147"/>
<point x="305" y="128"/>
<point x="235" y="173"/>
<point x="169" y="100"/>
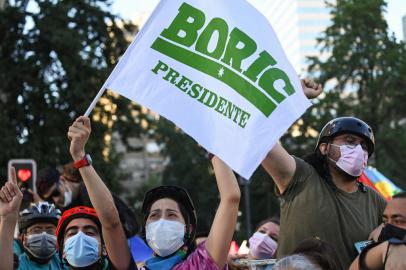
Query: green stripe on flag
<point x="217" y="71"/>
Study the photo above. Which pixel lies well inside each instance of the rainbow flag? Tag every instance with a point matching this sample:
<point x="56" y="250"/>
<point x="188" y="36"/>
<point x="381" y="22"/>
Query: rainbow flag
<point x="373" y="178"/>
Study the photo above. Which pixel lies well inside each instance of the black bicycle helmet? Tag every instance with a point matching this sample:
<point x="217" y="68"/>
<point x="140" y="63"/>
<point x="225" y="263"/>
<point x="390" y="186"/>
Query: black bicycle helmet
<point x="177" y="194"/>
<point x="350" y="125"/>
<point x="38" y="212"/>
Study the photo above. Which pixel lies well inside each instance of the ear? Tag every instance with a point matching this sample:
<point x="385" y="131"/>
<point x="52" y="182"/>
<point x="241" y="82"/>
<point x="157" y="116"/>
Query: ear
<point x="23" y="239"/>
<point x="323" y="148"/>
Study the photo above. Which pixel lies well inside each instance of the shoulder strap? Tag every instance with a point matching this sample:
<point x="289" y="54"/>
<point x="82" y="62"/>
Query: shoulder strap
<point x="362" y="255"/>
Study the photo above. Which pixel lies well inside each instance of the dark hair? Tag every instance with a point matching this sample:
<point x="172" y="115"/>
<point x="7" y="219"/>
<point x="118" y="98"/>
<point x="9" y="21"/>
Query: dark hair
<point x="400" y="195"/>
<point x="202" y="234"/>
<point x="45" y="179"/>
<point x="320" y="253"/>
<point x="320" y="164"/>
<point x="71" y="174"/>
<point x="274" y="220"/>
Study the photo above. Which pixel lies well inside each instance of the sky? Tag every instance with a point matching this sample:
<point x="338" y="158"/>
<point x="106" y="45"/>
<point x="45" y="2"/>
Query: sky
<point x="139" y="10"/>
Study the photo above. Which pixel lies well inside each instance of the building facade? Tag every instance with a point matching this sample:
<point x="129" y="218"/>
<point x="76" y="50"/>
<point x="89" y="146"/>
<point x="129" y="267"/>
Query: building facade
<point x="298" y="24"/>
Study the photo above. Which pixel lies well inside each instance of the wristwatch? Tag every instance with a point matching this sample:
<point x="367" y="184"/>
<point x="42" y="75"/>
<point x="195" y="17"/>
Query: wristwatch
<point x="85" y="161"/>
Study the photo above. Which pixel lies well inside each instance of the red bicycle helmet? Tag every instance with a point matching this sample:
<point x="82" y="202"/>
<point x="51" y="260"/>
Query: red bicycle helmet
<point x="69" y="215"/>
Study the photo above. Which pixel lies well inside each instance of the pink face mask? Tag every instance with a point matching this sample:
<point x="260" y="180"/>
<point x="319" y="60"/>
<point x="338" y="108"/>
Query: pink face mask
<point x="353" y="160"/>
<point x="262" y="246"/>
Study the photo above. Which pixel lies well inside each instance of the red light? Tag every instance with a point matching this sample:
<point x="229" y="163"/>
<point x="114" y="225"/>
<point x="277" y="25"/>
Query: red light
<point x="24" y="174"/>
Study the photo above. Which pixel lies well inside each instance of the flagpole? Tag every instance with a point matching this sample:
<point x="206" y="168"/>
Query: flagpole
<point x="95" y="100"/>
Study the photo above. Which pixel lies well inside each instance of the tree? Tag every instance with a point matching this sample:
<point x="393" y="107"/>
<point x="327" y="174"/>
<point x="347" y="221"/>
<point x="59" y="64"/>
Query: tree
<point x="53" y="59"/>
<point x="364" y="71"/>
<point x="188" y="166"/>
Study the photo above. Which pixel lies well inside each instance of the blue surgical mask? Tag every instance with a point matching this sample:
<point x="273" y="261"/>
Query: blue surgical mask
<point x="81" y="250"/>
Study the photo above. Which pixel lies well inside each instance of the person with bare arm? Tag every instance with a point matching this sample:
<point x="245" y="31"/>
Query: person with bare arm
<point x="87" y="237"/>
<point x="321" y="195"/>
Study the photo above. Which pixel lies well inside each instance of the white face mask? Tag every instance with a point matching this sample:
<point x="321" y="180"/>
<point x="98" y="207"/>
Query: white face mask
<point x="353" y="160"/>
<point x="165" y="237"/>
<point x="67" y="196"/>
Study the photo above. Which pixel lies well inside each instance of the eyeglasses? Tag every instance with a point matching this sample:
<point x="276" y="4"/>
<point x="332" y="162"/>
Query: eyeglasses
<point x="51" y="231"/>
<point x="352" y="143"/>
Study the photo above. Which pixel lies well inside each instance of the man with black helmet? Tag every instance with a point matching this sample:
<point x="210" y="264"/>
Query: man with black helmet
<point x="321" y="195"/>
<point x="37" y="225"/>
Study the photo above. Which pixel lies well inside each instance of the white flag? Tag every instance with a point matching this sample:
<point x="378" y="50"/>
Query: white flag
<point x="217" y="70"/>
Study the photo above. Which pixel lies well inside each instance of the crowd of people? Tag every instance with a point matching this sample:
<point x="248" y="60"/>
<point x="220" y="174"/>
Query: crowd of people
<point x="77" y="223"/>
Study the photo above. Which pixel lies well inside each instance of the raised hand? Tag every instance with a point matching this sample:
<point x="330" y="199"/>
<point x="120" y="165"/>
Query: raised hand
<point x="232" y="262"/>
<point x="10" y="196"/>
<point x="79" y="133"/>
<point x="310" y="88"/>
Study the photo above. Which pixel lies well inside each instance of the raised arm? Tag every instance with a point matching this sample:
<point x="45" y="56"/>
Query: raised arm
<point x="222" y="229"/>
<point x="10" y="201"/>
<point x="279" y="164"/>
<point x="101" y="198"/>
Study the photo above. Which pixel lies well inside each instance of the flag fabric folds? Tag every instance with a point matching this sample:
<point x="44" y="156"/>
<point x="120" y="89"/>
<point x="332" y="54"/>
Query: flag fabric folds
<point x="379" y="182"/>
<point x="217" y="70"/>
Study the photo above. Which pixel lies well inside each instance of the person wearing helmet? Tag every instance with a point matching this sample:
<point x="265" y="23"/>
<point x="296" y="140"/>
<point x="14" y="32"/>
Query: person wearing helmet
<point x="320" y="194"/>
<point x="91" y="238"/>
<point x="169" y="225"/>
<point x="169" y="217"/>
<point x="80" y="239"/>
<point x="37" y="225"/>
